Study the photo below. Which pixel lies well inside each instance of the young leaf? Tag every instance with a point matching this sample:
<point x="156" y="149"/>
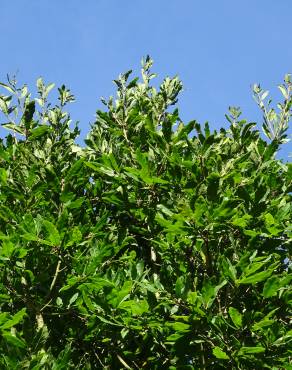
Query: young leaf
<point x="218" y="353"/>
<point x="236" y="316"/>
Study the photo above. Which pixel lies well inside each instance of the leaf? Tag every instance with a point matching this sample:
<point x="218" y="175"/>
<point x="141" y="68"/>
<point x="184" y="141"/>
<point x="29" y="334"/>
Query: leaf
<point x="107" y="321"/>
<point x="39" y="131"/>
<point x="74" y="170"/>
<point x="262" y="324"/>
<point x="255" y="266"/>
<point x="283" y="91"/>
<point x="32" y="237"/>
<point x="40" y="102"/>
<point x="154" y="180"/>
<point x="40" y="84"/>
<point x="164" y="210"/>
<point x="210" y="291"/>
<point x="52" y="231"/>
<point x="13" y="127"/>
<point x="16" y="319"/>
<point x="218" y="353"/>
<point x="226" y="209"/>
<point x="175" y="337"/>
<point x="269" y="219"/>
<point x="271" y="286"/>
<point x="13" y="340"/>
<point x="3" y="317"/>
<point x="49" y="87"/>
<point x="7" y="250"/>
<point x="231" y="270"/>
<point x="75" y="236"/>
<point x="75" y="204"/>
<point x="73" y="299"/>
<point x="140" y="268"/>
<point x="102" y="169"/>
<point x="179" y="326"/>
<point x="133" y="83"/>
<point x="256" y="278"/>
<point x="241" y="221"/>
<point x="137" y="308"/>
<point x="180" y="286"/>
<point x="236" y="316"/>
<point x="250" y="350"/>
<point x="213" y="185"/>
<point x="8" y="88"/>
<point x="107" y="171"/>
<point x="87" y="301"/>
<point x="264" y="95"/>
<point x="284" y="339"/>
<point x="3" y="176"/>
<point x="3" y="106"/>
<point x="28" y="113"/>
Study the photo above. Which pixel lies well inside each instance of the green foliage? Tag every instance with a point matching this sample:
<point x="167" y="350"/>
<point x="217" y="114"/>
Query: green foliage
<point x="158" y="245"/>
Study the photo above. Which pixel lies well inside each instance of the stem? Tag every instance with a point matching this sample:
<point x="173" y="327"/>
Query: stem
<point x="123" y="362"/>
<point x="203" y="357"/>
<point x="56" y="275"/>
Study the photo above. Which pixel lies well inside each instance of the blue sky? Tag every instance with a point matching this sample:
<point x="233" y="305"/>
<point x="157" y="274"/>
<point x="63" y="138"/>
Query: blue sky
<point x="218" y="48"/>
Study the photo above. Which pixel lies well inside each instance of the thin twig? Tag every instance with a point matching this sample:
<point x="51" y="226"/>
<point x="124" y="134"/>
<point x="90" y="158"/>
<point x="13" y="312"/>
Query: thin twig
<point x="56" y="275"/>
<point x="203" y="357"/>
<point x="123" y="362"/>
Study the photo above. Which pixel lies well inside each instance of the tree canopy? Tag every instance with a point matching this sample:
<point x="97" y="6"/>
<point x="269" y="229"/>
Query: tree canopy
<point x="157" y="245"/>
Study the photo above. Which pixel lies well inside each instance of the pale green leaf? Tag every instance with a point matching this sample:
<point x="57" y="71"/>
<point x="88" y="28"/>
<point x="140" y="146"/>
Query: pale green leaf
<point x="218" y="353"/>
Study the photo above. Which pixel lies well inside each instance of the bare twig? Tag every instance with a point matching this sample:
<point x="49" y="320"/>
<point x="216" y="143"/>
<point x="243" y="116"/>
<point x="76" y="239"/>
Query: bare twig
<point x="56" y="275"/>
<point x="123" y="362"/>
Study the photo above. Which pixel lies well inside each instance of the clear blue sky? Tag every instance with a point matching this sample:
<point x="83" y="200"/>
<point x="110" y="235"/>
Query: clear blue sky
<point x="217" y="47"/>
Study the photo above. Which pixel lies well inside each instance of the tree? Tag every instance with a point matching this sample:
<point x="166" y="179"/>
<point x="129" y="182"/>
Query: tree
<point x="157" y="245"/>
